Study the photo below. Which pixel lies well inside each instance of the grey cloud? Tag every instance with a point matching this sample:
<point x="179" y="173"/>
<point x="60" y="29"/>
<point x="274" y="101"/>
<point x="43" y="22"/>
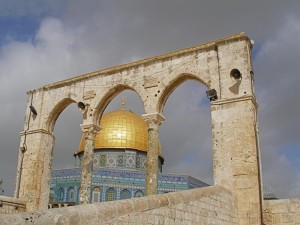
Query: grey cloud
<point x="277" y="87"/>
<point x="79" y="37"/>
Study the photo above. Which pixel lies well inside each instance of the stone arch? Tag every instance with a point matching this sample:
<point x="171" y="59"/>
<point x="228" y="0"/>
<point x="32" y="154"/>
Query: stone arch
<point x="108" y="97"/>
<point x="139" y="193"/>
<point x="96" y="194"/>
<point x="61" y="194"/>
<point x="233" y="110"/>
<point x="78" y="195"/>
<point x="57" y="110"/>
<point x="172" y="85"/>
<point x="71" y="195"/>
<point x="111" y="194"/>
<point x="125" y="194"/>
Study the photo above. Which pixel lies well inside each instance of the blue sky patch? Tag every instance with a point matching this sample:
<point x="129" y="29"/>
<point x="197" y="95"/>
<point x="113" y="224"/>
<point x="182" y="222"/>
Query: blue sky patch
<point x="18" y="29"/>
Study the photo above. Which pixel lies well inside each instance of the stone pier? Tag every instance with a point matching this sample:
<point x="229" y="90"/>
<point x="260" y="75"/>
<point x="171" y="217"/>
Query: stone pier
<point x="154" y="121"/>
<point x="89" y="132"/>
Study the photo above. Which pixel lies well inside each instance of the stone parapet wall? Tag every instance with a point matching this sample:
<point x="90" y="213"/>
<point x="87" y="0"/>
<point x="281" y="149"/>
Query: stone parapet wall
<point x="210" y="205"/>
<point x="282" y="212"/>
<point x="10" y="205"/>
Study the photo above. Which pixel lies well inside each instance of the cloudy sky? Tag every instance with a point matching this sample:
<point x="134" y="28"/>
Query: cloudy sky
<point x="41" y="43"/>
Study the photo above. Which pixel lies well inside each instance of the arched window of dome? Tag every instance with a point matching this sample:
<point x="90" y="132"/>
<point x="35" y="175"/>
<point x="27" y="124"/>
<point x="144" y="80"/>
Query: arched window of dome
<point x="52" y="196"/>
<point x="125" y="194"/>
<point x="61" y="194"/>
<point x="138" y="194"/>
<point x="110" y="195"/>
<point x="96" y="195"/>
<point x="71" y="194"/>
<point x="78" y="195"/>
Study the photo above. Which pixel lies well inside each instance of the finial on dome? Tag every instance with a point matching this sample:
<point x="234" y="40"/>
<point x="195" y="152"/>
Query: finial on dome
<point x="123" y="103"/>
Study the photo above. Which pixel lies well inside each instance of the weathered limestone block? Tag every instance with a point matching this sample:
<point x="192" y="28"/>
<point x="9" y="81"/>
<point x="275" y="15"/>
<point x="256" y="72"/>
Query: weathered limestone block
<point x="89" y="132"/>
<point x="154" y="121"/>
<point x="36" y="169"/>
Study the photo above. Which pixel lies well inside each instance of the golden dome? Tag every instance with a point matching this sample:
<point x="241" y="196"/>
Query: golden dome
<point x="121" y="129"/>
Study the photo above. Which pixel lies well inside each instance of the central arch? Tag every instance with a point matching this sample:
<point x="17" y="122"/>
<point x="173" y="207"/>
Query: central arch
<point x="173" y="84"/>
<point x="186" y="132"/>
<point x="56" y="111"/>
<point x="101" y="105"/>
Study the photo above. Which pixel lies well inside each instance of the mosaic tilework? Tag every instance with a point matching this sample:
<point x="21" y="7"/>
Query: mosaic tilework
<point x="122" y="159"/>
<point x="130" y="161"/>
<point x="96" y="161"/>
<point x="143" y="163"/>
<point x="102" y="160"/>
<point x="138" y="163"/>
<point x="119" y="180"/>
<point x="111" y="161"/>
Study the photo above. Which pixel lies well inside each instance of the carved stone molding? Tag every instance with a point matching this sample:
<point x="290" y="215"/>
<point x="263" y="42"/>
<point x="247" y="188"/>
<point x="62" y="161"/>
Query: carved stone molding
<point x="36" y="131"/>
<point x="154" y="120"/>
<point x="237" y="99"/>
<point x="150" y="82"/>
<point x="90" y="130"/>
<point x="89" y="95"/>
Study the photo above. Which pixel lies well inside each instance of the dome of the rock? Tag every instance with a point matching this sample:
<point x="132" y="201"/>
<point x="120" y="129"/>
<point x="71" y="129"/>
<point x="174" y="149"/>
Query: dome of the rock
<point x="121" y="129"/>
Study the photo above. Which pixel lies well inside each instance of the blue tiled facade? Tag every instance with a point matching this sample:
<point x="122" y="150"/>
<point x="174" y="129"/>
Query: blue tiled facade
<point x="120" y="184"/>
<point x="114" y="181"/>
<point x="121" y="174"/>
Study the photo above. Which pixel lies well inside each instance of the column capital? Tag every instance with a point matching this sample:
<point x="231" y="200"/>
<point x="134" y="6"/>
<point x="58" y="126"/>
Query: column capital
<point x="90" y="129"/>
<point x="154" y="120"/>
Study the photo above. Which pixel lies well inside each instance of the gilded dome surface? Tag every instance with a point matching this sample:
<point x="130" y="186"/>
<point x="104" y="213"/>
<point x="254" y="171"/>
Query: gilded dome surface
<point x="121" y="129"/>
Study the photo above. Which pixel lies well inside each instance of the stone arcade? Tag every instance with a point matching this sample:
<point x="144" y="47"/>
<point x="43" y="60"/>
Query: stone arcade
<point x="119" y="165"/>
<point x="225" y="67"/>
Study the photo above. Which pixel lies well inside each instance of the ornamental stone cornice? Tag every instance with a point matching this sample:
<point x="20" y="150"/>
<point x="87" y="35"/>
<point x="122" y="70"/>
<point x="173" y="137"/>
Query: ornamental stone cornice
<point x="90" y="130"/>
<point x="237" y="99"/>
<point x="154" y="120"/>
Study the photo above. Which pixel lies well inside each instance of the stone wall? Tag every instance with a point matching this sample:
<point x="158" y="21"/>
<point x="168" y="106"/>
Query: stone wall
<point x="11" y="205"/>
<point x="209" y="205"/>
<point x="282" y="212"/>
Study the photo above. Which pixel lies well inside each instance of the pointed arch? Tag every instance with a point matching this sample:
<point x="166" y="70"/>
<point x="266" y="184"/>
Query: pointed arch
<point x="57" y="110"/>
<point x="125" y="194"/>
<point x="172" y="85"/>
<point x="109" y="96"/>
<point x="96" y="194"/>
<point x="61" y="194"/>
<point x="139" y="193"/>
<point x="71" y="195"/>
<point x="111" y="194"/>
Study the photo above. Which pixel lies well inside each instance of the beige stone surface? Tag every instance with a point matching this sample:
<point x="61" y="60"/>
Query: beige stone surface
<point x="89" y="132"/>
<point x="9" y="205"/>
<point x="154" y="121"/>
<point x="282" y="212"/>
<point x="196" y="206"/>
<point x="234" y="119"/>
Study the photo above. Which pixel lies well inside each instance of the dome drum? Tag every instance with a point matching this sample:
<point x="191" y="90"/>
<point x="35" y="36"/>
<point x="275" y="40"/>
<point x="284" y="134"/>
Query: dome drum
<point x="124" y="136"/>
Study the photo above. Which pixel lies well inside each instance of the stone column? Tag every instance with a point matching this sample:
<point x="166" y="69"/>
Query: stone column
<point x="154" y="121"/>
<point x="89" y="132"/>
<point x="34" y="173"/>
